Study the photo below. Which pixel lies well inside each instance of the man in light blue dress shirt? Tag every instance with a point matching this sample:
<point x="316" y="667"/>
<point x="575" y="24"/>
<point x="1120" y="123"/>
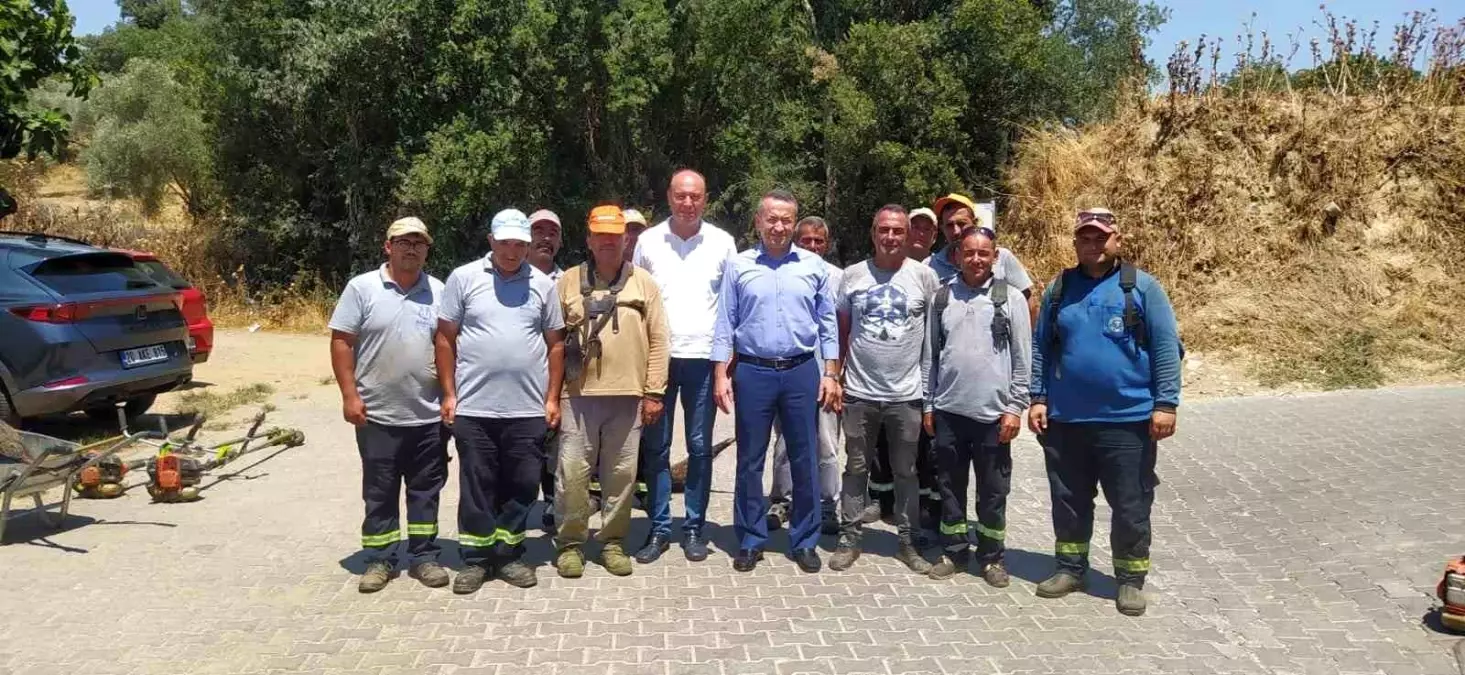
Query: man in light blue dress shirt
<point x="776" y="311"/>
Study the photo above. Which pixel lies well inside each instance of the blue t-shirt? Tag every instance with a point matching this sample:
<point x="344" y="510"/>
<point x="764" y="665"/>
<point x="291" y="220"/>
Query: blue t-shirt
<point x="1100" y="373"/>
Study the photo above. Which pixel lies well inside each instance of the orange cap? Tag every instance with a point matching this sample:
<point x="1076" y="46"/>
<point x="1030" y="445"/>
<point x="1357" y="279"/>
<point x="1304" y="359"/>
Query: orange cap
<point x="607" y="220"/>
<point x="958" y="199"/>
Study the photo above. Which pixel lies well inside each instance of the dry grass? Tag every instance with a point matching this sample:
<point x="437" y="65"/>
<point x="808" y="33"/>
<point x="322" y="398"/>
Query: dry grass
<point x="212" y="405"/>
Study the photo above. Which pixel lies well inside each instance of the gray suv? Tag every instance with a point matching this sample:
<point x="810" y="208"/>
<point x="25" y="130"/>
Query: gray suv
<point x="83" y="328"/>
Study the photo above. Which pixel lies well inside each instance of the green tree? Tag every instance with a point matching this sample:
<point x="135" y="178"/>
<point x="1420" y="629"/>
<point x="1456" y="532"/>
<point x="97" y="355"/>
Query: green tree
<point x="36" y="44"/>
<point x="150" y="139"/>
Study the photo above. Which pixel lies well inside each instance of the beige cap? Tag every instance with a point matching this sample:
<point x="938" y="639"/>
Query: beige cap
<point x="924" y="212"/>
<point x="405" y="226"/>
<point x="634" y="216"/>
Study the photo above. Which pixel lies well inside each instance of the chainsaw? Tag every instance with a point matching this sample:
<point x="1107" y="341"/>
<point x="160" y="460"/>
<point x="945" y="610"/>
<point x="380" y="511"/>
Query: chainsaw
<point x="1452" y="592"/>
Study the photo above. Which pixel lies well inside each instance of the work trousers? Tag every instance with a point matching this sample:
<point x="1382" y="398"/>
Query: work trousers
<point x="392" y="456"/>
<point x="602" y="432"/>
<point x="792" y="396"/>
<point x="882" y="479"/>
<point x="498" y="481"/>
<point x="689" y="380"/>
<point x="551" y="452"/>
<point x="964" y="446"/>
<point x="864" y="422"/>
<point x="1120" y="458"/>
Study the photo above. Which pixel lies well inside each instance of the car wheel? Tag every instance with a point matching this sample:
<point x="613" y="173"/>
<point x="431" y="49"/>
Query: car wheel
<point x="134" y="409"/>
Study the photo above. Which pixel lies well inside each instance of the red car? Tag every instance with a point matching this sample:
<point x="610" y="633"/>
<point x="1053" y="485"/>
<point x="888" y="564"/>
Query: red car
<point x="195" y="304"/>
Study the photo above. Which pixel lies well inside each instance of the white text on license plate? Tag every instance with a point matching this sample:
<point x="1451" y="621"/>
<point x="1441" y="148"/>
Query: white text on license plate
<point x="144" y="355"/>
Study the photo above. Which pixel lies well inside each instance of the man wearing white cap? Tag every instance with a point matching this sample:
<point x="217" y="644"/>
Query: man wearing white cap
<point x="500" y="359"/>
<point x="381" y="353"/>
<point x="921" y="239"/>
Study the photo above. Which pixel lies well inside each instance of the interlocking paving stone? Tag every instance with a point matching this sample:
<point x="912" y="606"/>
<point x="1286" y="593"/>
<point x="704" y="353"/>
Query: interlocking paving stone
<point x="1299" y="534"/>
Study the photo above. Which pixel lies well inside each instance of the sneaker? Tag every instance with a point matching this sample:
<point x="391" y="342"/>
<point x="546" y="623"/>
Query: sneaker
<point x="777" y="515"/>
<point x="951" y="563"/>
<point x="1059" y="585"/>
<point x="615" y="560"/>
<point x="470" y="579"/>
<point x="377" y="575"/>
<point x="996" y="576"/>
<point x="1131" y="600"/>
<point x="845" y="555"/>
<point x="517" y="573"/>
<point x="431" y="574"/>
<point x="912" y="559"/>
<point x="871" y="514"/>
<point x="570" y="562"/>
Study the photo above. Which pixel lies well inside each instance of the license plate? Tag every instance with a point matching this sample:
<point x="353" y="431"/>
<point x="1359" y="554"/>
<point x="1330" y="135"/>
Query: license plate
<point x="142" y="356"/>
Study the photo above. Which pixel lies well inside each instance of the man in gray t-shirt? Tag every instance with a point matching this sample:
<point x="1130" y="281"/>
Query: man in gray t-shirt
<point x="500" y="359"/>
<point x="382" y="355"/>
<point x="882" y="308"/>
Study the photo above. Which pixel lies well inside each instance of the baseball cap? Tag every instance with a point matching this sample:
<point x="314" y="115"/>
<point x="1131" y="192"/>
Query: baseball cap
<point x="953" y="199"/>
<point x="544" y="214"/>
<point x="607" y="220"/>
<point x="924" y="212"/>
<point x="510" y="225"/>
<point x="405" y="226"/>
<point x="1099" y="217"/>
<point x="634" y="216"/>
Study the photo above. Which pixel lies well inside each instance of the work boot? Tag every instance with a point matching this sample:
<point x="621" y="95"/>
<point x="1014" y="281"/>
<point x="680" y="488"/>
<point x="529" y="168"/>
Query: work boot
<point x="871" y="514"/>
<point x="570" y="562"/>
<point x="517" y="573"/>
<point x="845" y="554"/>
<point x="951" y="563"/>
<point x="431" y="574"/>
<point x="1059" y="585"/>
<point x="912" y="559"/>
<point x="470" y="579"/>
<point x="1131" y="600"/>
<point x="995" y="574"/>
<point x="615" y="560"/>
<point x="777" y="515"/>
<point x="377" y="575"/>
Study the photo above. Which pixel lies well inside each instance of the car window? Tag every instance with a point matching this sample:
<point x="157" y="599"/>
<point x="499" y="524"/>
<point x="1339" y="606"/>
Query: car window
<point x="92" y="273"/>
<point x="163" y="275"/>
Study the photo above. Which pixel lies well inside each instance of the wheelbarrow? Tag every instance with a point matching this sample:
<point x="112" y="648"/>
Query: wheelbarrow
<point x="36" y="463"/>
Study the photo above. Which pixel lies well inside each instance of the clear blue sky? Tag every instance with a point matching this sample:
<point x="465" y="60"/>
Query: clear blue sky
<point x="1188" y="19"/>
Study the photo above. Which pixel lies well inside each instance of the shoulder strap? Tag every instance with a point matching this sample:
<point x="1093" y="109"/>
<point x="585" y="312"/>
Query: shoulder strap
<point x="1001" y="324"/>
<point x="587" y="283"/>
<point x="938" y="337"/>
<point x="1132" y="321"/>
<point x="1055" y="302"/>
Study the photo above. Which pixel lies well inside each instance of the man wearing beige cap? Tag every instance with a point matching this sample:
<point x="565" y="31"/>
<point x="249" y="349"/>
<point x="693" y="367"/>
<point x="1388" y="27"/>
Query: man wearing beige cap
<point x="382" y="355"/>
<point x="545" y="244"/>
<point x="635" y="225"/>
<point x="921" y="239"/>
<point x="615" y="374"/>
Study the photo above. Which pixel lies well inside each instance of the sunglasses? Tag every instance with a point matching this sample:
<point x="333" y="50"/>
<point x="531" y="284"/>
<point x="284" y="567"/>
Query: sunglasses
<point x="1105" y="218"/>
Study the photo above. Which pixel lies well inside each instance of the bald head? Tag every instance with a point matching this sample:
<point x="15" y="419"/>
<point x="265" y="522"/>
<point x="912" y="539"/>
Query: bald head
<point x="687" y="197"/>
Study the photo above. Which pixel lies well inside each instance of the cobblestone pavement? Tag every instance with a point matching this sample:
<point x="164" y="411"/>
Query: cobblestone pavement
<point x="1292" y="535"/>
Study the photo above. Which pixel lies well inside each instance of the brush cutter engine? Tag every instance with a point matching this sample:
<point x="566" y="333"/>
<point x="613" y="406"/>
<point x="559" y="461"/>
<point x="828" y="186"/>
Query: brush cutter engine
<point x="1452" y="592"/>
<point x="174" y="478"/>
<point x="101" y="480"/>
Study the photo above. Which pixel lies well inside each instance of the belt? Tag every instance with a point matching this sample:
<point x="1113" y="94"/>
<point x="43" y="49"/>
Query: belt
<point x="777" y="364"/>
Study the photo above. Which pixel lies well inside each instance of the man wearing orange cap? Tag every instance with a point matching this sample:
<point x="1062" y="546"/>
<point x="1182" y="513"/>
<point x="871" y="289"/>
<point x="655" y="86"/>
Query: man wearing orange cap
<point x="615" y="374"/>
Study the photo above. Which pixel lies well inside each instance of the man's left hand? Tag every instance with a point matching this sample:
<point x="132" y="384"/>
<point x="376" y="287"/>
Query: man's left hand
<point x="1162" y="425"/>
<point x="650" y="411"/>
<point x="552" y="414"/>
<point x="1008" y="428"/>
<point x="831" y="395"/>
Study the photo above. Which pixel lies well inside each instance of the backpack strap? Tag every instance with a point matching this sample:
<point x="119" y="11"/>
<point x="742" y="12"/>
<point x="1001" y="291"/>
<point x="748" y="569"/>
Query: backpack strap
<point x="1055" y="302"/>
<point x="1001" y="323"/>
<point x="1133" y="323"/>
<point x="938" y="338"/>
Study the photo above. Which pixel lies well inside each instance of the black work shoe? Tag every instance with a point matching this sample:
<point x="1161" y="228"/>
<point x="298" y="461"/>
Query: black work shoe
<point x="1130" y="601"/>
<point x="808" y="560"/>
<point x="471" y="579"/>
<point x="431" y="574"/>
<point x="995" y="574"/>
<point x="747" y="559"/>
<point x="651" y="551"/>
<point x="695" y="547"/>
<point x="518" y="573"/>
<point x="377" y="575"/>
<point x="1059" y="585"/>
<point x="777" y="515"/>
<point x="951" y="563"/>
<point x="845" y="556"/>
<point x="912" y="559"/>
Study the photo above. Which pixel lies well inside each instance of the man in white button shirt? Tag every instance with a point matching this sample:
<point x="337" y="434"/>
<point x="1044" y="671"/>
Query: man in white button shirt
<point x="686" y="255"/>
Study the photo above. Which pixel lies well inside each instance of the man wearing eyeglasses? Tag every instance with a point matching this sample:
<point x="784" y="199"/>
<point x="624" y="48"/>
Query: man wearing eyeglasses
<point x="1105" y="387"/>
<point x="382" y="354"/>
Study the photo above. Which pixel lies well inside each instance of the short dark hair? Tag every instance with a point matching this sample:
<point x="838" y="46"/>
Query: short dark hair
<point x="890" y="208"/>
<point x="813" y="221"/>
<point x="777" y="195"/>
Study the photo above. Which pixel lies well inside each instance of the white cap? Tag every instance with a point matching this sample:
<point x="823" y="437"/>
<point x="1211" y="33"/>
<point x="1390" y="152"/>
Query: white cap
<point x="544" y="214"/>
<point x="924" y="212"/>
<point x="634" y="216"/>
<point x="510" y="225"/>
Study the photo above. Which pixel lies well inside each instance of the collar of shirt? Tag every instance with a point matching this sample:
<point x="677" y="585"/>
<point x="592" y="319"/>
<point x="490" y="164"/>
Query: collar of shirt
<point x="762" y="255"/>
<point x="960" y="280"/>
<point x="416" y="285"/>
<point x="672" y="236"/>
<point x="525" y="269"/>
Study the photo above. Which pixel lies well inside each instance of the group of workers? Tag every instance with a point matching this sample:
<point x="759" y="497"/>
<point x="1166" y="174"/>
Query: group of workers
<point x="919" y="363"/>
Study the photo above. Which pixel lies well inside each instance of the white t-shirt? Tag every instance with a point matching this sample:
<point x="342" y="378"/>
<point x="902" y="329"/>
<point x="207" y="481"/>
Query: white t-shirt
<point x="689" y="272"/>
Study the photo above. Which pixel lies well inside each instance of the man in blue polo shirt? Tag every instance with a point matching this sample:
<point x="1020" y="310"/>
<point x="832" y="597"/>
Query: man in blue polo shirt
<point x="381" y="353"/>
<point x="500" y="359"/>
<point x="1105" y="387"/>
<point x="776" y="311"/>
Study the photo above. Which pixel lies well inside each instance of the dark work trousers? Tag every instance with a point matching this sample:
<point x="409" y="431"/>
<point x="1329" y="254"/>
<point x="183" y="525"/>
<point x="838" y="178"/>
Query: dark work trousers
<point x="1120" y="458"/>
<point x="499" y="478"/>
<point x="546" y="474"/>
<point x="882" y="478"/>
<point x="964" y="446"/>
<point x="390" y="457"/>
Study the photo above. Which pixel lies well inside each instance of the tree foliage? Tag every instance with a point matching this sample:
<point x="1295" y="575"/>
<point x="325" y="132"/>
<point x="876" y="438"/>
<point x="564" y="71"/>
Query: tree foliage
<point x="330" y="117"/>
<point x="36" y="44"/>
